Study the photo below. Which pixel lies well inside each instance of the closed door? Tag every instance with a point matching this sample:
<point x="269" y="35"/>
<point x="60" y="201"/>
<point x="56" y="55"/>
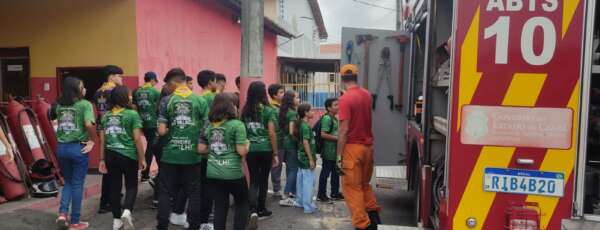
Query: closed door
<point x="15" y="78"/>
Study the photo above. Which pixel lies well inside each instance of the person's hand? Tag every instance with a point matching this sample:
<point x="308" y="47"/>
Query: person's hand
<point x="89" y="145"/>
<point x="338" y="165"/>
<point x="312" y="164"/>
<point x="11" y="155"/>
<point x="275" y="161"/>
<point x="102" y="167"/>
<point x="142" y="165"/>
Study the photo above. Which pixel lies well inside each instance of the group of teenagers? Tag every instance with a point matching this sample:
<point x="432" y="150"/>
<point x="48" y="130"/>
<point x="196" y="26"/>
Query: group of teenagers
<point x="208" y="149"/>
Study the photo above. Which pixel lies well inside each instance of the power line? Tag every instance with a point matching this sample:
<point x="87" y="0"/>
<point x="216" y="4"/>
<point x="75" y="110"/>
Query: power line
<point x="374" y="5"/>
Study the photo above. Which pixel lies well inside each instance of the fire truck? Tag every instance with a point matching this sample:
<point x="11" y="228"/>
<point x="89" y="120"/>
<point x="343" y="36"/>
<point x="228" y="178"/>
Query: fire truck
<point x="503" y="112"/>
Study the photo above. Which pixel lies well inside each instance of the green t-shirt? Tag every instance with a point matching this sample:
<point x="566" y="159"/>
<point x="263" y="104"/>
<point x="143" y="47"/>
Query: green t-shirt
<point x="329" y="125"/>
<point x="258" y="131"/>
<point x="71" y="121"/>
<point x="223" y="160"/>
<point x="306" y="133"/>
<point x="278" y="130"/>
<point x="146" y="98"/>
<point x="289" y="142"/>
<point x="118" y="131"/>
<point x="186" y="116"/>
<point x="209" y="97"/>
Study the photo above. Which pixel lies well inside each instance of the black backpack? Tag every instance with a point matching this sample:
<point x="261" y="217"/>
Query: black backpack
<point x="319" y="141"/>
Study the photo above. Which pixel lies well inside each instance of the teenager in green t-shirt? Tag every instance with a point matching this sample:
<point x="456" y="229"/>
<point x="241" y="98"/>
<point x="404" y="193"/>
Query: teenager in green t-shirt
<point x="121" y="154"/>
<point x="276" y="92"/>
<point x="207" y="80"/>
<point x="329" y="131"/>
<point x="146" y="99"/>
<point x="260" y="120"/>
<point x="307" y="161"/>
<point x="287" y="118"/>
<point x="226" y="144"/>
<point x="75" y="133"/>
<point x="182" y="117"/>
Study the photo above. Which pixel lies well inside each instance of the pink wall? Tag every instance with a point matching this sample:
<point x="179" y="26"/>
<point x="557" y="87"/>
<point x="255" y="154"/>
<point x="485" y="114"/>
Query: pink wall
<point x="194" y="35"/>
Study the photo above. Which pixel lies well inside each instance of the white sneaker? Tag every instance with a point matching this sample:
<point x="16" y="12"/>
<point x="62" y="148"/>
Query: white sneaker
<point x="208" y="226"/>
<point x="253" y="222"/>
<point x="117" y="224"/>
<point x="126" y="220"/>
<point x="288" y="202"/>
<point x="179" y="219"/>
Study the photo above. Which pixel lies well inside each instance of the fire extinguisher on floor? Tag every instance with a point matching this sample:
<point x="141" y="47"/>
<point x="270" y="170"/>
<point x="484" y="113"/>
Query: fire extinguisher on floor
<point x="34" y="149"/>
<point x="14" y="179"/>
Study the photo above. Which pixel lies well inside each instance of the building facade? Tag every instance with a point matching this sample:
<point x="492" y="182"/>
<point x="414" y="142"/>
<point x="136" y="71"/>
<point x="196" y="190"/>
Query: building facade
<point x="45" y="41"/>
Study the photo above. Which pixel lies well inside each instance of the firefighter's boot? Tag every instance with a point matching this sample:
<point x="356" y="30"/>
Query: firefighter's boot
<point x="374" y="217"/>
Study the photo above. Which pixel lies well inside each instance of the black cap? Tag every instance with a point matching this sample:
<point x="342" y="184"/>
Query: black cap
<point x="149" y="76"/>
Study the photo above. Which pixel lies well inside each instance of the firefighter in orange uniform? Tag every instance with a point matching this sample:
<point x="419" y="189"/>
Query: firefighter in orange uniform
<point x="355" y="149"/>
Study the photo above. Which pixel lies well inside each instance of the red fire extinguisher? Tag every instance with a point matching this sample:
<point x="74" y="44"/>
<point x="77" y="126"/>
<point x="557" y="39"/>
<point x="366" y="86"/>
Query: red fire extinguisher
<point x="13" y="174"/>
<point x="47" y="131"/>
<point x="42" y="109"/>
<point x="29" y="137"/>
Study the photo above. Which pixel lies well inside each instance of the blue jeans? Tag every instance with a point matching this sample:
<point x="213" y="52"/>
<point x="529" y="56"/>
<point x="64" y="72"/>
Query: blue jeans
<point x="291" y="170"/>
<point x="306" y="186"/>
<point x="73" y="165"/>
<point x="329" y="169"/>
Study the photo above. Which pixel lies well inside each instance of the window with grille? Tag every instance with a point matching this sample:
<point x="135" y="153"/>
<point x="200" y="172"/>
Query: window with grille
<point x="313" y="87"/>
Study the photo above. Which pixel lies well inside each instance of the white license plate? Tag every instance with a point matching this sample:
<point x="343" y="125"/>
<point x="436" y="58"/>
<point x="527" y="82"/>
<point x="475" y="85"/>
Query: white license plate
<point x="522" y="181"/>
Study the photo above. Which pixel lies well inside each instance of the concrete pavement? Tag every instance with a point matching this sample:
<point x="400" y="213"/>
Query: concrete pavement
<point x="396" y="210"/>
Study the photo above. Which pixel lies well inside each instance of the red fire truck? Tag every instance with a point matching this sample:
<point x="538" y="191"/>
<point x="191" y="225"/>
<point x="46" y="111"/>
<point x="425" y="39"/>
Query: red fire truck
<point x="504" y="113"/>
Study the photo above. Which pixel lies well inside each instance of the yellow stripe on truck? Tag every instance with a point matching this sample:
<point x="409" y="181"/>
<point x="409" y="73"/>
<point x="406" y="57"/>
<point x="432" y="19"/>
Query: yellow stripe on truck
<point x="557" y="160"/>
<point x="475" y="203"/>
<point x="569" y="8"/>
<point x="524" y="90"/>
<point x="469" y="77"/>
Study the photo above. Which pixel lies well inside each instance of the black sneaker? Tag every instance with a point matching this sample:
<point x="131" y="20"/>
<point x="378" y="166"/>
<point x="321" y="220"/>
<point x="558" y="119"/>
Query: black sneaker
<point x="264" y="214"/>
<point x="324" y="199"/>
<point x="144" y="179"/>
<point x="337" y="196"/>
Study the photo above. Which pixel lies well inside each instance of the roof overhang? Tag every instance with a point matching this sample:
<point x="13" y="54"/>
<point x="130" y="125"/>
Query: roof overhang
<point x="311" y="64"/>
<point x="316" y="11"/>
<point x="236" y="6"/>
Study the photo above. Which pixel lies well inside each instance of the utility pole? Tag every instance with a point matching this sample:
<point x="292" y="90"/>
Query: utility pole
<point x="252" y="45"/>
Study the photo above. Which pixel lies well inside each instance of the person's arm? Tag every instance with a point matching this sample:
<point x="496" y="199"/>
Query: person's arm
<point x="90" y="127"/>
<point x="242" y="146"/>
<point x="273" y="139"/>
<point x="7" y="146"/>
<point x="326" y="128"/>
<point x="306" y="133"/>
<point x="162" y="116"/>
<point x="308" y="152"/>
<point x="139" y="145"/>
<point x="203" y="142"/>
<point x="342" y="137"/>
<point x="345" y="114"/>
<point x="291" y="128"/>
<point x="102" y="165"/>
